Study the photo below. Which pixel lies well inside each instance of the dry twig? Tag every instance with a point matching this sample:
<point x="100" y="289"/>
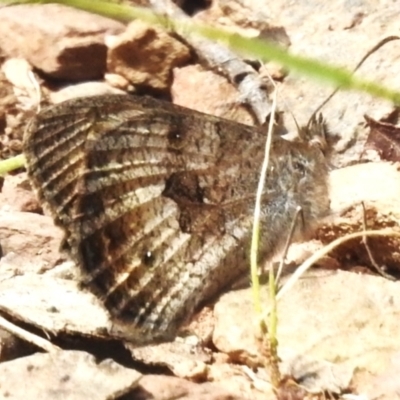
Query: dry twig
<point x="28" y="336"/>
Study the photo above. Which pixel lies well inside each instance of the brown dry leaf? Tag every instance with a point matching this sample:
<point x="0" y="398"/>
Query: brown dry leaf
<point x="67" y="375"/>
<point x="384" y="138"/>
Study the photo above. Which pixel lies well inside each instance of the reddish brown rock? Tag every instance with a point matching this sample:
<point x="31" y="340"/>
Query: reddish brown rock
<point x="208" y="92"/>
<point x="17" y="195"/>
<point x="63" y="42"/>
<point x="168" y="387"/>
<point x="145" y="56"/>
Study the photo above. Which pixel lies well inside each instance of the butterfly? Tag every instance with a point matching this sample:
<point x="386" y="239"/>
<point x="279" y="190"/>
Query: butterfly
<point x="156" y="201"/>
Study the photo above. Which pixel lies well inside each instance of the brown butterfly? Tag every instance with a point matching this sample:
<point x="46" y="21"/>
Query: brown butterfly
<point x="156" y="201"/>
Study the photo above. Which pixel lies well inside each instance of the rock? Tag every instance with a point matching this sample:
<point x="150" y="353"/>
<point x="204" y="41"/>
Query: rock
<point x="19" y="73"/>
<point x="63" y="42"/>
<point x="8" y="115"/>
<point x="83" y="90"/>
<point x="248" y="383"/>
<point x="184" y="359"/>
<point x="168" y="387"/>
<point x="118" y="81"/>
<point x="377" y="185"/>
<point x="29" y="242"/>
<point x="145" y="56"/>
<point x="327" y="316"/>
<point x="205" y="91"/>
<point x="66" y="373"/>
<point x="53" y="305"/>
<point x="17" y="195"/>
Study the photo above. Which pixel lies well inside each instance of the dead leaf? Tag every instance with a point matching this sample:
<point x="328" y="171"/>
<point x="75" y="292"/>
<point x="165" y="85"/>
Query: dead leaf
<point x="384" y="138"/>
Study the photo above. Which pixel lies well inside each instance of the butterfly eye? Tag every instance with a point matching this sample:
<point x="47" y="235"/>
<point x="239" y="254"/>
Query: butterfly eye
<point x="299" y="167"/>
<point x="149" y="258"/>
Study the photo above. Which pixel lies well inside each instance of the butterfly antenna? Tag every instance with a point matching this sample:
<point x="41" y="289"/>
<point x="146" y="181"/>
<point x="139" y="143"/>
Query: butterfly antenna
<point x="361" y="62"/>
<point x="295" y="121"/>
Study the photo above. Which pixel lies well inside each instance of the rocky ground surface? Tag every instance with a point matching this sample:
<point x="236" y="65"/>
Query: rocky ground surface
<point x="339" y="324"/>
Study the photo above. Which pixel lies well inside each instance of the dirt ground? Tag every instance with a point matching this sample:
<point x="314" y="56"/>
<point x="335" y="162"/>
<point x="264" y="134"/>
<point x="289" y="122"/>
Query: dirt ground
<point x="338" y="325"/>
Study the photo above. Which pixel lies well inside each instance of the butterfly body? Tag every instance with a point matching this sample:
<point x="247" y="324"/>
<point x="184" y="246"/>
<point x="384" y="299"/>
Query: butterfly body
<point x="156" y="201"/>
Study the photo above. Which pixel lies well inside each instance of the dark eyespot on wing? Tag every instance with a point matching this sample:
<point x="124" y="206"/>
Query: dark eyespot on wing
<point x="149" y="258"/>
<point x="176" y="138"/>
